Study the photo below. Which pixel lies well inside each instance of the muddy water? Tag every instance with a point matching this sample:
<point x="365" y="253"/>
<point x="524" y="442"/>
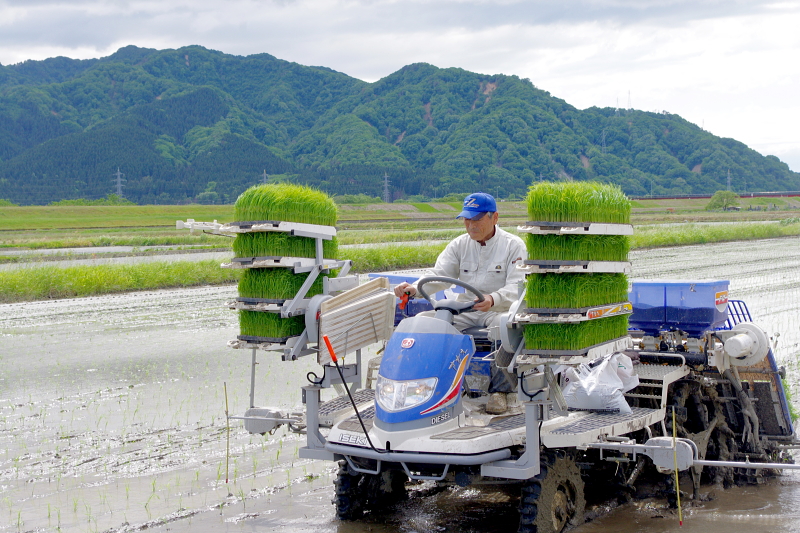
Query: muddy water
<point x="112" y="419"/>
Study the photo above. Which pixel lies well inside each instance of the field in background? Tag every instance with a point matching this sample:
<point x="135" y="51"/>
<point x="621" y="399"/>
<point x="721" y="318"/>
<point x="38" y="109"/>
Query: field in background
<point x="160" y="219"/>
<point x="394" y="236"/>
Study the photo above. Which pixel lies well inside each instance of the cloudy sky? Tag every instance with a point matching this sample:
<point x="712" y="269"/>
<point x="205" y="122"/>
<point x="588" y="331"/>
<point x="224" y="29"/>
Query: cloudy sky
<point x="730" y="66"/>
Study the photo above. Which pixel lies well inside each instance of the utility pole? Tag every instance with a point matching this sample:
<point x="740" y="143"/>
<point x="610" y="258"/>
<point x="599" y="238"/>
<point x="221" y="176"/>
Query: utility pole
<point x="118" y="179"/>
<point x="386" y="196"/>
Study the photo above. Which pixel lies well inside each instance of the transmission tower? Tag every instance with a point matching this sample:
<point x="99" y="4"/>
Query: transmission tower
<point x="118" y="179"/>
<point x="386" y="195"/>
<point x="729" y="179"/>
<point x="604" y="141"/>
<point x="264" y="177"/>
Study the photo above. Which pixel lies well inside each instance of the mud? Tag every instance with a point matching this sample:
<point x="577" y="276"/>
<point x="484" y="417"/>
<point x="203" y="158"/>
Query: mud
<point x="112" y="418"/>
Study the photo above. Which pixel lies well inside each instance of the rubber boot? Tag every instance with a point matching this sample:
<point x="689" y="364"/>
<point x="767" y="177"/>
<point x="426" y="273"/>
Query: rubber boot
<point x="497" y="404"/>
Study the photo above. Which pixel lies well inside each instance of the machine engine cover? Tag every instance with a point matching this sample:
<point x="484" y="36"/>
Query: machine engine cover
<point x="421" y="348"/>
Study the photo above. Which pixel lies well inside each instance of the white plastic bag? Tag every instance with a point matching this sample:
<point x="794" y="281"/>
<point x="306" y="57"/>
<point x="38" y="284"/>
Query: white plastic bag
<point x="601" y="384"/>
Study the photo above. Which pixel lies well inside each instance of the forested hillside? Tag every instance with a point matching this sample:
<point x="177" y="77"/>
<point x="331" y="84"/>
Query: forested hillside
<point x="198" y="125"/>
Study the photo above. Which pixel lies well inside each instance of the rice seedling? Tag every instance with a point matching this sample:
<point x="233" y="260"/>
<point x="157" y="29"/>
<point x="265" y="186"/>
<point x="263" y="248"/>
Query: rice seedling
<point x="578" y="202"/>
<point x="279" y="244"/>
<point x="573" y="291"/>
<point x="578" y="247"/>
<point x="286" y="202"/>
<point x="279" y="202"/>
<point x="574" y="336"/>
<point x="274" y="283"/>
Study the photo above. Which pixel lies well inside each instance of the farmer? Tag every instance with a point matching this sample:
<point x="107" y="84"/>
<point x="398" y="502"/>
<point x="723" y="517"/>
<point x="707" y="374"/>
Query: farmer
<point x="486" y="258"/>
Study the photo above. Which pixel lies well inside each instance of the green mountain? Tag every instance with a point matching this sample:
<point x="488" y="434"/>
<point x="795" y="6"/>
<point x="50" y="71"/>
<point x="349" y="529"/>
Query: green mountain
<point x="199" y="125"/>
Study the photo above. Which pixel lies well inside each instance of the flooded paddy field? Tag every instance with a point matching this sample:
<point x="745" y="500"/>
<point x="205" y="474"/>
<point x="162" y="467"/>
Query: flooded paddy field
<point x="112" y="418"/>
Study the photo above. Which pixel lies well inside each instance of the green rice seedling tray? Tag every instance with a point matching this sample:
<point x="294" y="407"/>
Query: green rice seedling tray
<point x="570" y="337"/>
<point x="286" y="202"/>
<point x="574" y="291"/>
<point x="534" y="266"/>
<point x="578" y="201"/>
<point x="283" y="244"/>
<point x="259" y="340"/>
<point x="571" y="316"/>
<point x="292" y="347"/>
<point x="270" y="325"/>
<point x="304" y="264"/>
<point x="553" y="247"/>
<point x="575" y="228"/>
<point x="276" y="284"/>
<point x="529" y="358"/>
<point x="266" y="305"/>
<point x="257" y="226"/>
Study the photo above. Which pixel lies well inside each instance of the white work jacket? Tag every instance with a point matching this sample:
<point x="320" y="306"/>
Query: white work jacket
<point x="491" y="268"/>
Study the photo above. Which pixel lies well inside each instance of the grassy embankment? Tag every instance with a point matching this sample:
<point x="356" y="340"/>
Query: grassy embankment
<point x="31" y="227"/>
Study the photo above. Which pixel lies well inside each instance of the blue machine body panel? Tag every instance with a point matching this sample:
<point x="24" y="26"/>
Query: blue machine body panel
<point x="411" y="355"/>
<point x="693" y="306"/>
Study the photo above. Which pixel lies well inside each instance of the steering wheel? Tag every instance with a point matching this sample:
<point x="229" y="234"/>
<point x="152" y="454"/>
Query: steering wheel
<point x="451" y="305"/>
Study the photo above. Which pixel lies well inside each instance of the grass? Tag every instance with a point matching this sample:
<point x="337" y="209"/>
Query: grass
<point x="374" y="259"/>
<point x="578" y="247"/>
<point x="41" y="283"/>
<point x="393" y="257"/>
<point x="49" y="217"/>
<point x="54" y="239"/>
<point x="574" y="336"/>
<point x="578" y="202"/>
<point x="425" y="208"/>
<point x="658" y="236"/>
<point x="573" y="291"/>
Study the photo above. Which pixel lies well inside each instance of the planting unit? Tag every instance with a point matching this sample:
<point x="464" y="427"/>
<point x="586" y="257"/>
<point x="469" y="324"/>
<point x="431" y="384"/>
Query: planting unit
<point x="602" y="412"/>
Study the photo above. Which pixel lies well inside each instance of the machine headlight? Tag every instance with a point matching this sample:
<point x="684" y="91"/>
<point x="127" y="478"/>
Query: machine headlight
<point x="398" y="395"/>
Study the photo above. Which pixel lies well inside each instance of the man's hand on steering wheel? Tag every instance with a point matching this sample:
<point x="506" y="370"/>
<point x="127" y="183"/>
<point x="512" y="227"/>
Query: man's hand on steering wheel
<point x="482" y="302"/>
<point x="485" y="305"/>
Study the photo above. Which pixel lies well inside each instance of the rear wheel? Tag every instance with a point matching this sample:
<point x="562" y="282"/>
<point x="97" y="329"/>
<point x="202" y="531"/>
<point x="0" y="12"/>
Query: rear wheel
<point x="553" y="500"/>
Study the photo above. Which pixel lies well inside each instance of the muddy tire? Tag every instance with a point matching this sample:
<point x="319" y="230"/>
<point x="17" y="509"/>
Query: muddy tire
<point x="553" y="501"/>
<point x="356" y="493"/>
<point x="349" y="496"/>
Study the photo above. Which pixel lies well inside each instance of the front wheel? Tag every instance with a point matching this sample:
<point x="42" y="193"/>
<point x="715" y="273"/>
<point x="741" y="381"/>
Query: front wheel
<point x="554" y="499"/>
<point x="356" y="492"/>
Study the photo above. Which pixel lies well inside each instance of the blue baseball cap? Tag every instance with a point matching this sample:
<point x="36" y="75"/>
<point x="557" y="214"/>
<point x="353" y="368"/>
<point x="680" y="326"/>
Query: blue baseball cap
<point x="476" y="204"/>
